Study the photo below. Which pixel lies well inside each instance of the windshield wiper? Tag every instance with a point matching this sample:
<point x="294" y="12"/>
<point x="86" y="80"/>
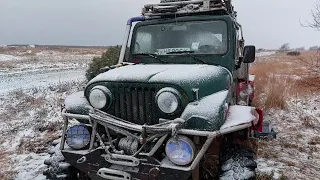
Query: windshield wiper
<point x="155" y="56"/>
<point x="189" y="54"/>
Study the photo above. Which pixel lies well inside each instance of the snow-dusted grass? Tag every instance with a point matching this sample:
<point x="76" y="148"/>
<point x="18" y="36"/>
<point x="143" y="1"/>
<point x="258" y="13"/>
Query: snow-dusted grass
<point x="35" y="59"/>
<point x="293" y="109"/>
<point x="5" y="57"/>
<point x="295" y="151"/>
<point x="30" y="122"/>
<point x="33" y="87"/>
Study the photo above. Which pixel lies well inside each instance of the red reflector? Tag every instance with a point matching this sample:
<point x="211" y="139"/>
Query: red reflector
<point x="258" y="127"/>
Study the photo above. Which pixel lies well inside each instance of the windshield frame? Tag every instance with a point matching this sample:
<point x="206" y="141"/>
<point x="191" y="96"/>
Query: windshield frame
<point x="184" y="19"/>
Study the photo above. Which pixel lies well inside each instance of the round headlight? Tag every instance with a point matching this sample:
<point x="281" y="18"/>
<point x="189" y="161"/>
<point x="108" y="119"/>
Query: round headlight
<point x="180" y="151"/>
<point x="100" y="97"/>
<point x="78" y="137"/>
<point x="168" y="100"/>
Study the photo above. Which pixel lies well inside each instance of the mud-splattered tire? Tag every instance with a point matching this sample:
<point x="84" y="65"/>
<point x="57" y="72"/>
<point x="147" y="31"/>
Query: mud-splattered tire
<point x="57" y="168"/>
<point x="237" y="164"/>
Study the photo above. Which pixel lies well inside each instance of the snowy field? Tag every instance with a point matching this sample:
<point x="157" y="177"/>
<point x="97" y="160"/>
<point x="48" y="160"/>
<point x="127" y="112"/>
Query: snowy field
<point x="36" y="79"/>
<point x="4" y="57"/>
<point x="33" y="87"/>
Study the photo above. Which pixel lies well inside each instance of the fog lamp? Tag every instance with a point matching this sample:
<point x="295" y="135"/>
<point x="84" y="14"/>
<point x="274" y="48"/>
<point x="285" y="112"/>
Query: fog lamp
<point x="180" y="150"/>
<point x="78" y="136"/>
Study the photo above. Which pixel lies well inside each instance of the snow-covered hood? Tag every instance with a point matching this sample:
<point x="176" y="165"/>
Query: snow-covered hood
<point x="208" y="78"/>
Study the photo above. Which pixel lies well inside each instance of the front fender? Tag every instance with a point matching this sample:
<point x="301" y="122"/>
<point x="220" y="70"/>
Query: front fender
<point x="207" y="114"/>
<point x="77" y="103"/>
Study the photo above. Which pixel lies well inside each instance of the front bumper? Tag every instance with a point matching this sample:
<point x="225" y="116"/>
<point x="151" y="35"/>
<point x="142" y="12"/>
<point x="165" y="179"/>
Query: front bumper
<point x="142" y="166"/>
<point x="97" y="168"/>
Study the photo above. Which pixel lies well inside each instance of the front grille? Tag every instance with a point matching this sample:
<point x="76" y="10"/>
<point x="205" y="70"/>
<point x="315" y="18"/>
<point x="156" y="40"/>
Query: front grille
<point x="135" y="104"/>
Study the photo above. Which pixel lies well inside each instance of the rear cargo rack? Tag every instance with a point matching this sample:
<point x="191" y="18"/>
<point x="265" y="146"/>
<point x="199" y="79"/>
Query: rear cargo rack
<point x="182" y="7"/>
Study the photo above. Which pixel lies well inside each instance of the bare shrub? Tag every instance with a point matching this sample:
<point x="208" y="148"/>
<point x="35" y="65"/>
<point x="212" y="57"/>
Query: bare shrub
<point x="293" y="53"/>
<point x="285" y="47"/>
<point x="311" y="75"/>
<point x="315" y="23"/>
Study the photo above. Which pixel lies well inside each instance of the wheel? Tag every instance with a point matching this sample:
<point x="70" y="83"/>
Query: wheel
<point x="58" y="169"/>
<point x="237" y="163"/>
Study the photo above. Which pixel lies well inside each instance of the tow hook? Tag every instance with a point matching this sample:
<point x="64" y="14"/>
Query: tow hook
<point x="154" y="173"/>
<point x="81" y="160"/>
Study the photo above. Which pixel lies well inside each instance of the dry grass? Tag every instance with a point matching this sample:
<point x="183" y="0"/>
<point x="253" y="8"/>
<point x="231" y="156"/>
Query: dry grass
<point x="265" y="151"/>
<point x="290" y="83"/>
<point x="311" y="75"/>
<point x="26" y="101"/>
<point x="275" y="93"/>
<point x="66" y="86"/>
<point x="280" y="76"/>
<point x="30" y="50"/>
<point x="5" y="173"/>
<point x="314" y="140"/>
<point x="265" y="176"/>
<point x="48" y="57"/>
<point x="36" y="145"/>
<point x="307" y="121"/>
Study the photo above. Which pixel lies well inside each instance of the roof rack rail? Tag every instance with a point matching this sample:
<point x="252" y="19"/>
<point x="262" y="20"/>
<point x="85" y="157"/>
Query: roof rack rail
<point x="174" y="7"/>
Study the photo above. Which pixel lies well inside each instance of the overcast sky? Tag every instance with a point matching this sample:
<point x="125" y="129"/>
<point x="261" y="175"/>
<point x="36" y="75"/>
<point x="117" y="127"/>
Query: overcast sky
<point x="266" y="23"/>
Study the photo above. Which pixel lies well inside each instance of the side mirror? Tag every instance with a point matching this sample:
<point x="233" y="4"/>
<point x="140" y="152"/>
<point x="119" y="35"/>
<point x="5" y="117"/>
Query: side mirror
<point x="249" y="54"/>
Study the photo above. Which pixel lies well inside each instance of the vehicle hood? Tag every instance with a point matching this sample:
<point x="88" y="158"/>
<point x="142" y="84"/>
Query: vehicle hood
<point x="207" y="78"/>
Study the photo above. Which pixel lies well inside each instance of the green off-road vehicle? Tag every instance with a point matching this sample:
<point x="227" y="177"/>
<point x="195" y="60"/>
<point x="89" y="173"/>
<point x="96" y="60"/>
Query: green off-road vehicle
<point x="176" y="106"/>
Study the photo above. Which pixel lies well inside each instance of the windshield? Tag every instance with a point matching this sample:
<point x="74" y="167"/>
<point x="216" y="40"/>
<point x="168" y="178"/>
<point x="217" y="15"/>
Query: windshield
<point x="198" y="37"/>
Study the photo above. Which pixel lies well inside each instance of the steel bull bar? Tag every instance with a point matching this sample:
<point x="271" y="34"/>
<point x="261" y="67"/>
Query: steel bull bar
<point x="99" y="117"/>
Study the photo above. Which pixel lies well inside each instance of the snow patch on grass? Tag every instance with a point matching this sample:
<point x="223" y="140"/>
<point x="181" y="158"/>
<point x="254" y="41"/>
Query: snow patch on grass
<point x="295" y="151"/>
<point x="33" y="88"/>
<point x="29" y="166"/>
<point x="5" y="57"/>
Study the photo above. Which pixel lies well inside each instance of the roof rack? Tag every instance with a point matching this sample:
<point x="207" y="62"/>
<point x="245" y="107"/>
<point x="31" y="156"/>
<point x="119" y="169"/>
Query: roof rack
<point x="181" y="7"/>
